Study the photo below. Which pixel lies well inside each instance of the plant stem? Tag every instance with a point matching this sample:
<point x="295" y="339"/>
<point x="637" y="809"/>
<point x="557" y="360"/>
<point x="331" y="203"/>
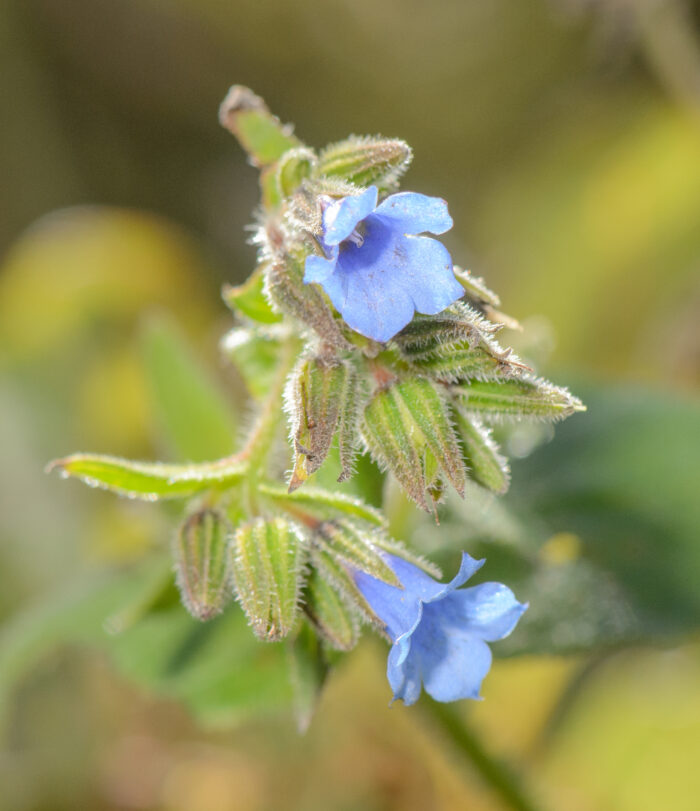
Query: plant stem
<point x="494" y="772"/>
<point x="259" y="443"/>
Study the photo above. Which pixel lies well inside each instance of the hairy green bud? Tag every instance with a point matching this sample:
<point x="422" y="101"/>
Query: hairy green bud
<point x="268" y="562"/>
<point x="366" y="161"/>
<point x="201" y="563"/>
<point x="407" y="430"/>
<point x="318" y="394"/>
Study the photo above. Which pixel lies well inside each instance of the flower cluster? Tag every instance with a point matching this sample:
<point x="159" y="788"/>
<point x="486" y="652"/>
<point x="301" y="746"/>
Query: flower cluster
<point x="358" y="326"/>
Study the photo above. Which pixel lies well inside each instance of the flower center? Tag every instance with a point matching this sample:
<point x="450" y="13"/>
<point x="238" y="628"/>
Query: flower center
<point x="357" y="237"/>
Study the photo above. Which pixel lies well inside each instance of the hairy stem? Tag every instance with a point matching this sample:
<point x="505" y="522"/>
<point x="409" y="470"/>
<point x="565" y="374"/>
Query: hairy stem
<point x="260" y="440"/>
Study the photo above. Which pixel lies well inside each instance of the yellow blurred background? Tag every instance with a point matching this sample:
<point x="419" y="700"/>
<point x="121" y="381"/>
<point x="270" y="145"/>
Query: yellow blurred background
<point x="565" y="135"/>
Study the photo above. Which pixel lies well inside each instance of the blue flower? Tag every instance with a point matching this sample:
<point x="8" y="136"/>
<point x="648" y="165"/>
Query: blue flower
<point x="439" y="634"/>
<point x="375" y="270"/>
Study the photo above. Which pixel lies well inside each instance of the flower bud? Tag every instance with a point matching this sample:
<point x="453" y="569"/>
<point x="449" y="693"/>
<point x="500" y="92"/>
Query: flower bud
<point x="408" y="431"/>
<point x="320" y="391"/>
<point x="201" y="563"/>
<point x="329" y="607"/>
<point x="268" y="559"/>
<point x="366" y="161"/>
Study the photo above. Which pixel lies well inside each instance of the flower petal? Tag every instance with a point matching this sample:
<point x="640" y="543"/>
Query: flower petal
<point x="318" y="269"/>
<point x="417" y="582"/>
<point x="459" y="669"/>
<point x="403" y="674"/>
<point x="371" y="299"/>
<point x="398" y="608"/>
<point x="414" y="213"/>
<point x="426" y="271"/>
<point x="489" y="611"/>
<point x="342" y="216"/>
<point x="378" y="285"/>
<point x="467" y="567"/>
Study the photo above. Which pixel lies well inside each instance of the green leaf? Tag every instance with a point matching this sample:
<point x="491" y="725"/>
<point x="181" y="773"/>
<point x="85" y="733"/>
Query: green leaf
<point x="268" y="560"/>
<point x="149" y="481"/>
<point x="202" y="563"/>
<point x="259" y="132"/>
<point x="218" y="670"/>
<point x="518" y="398"/>
<point x="192" y="414"/>
<point x="255" y="355"/>
<point x="249" y="299"/>
<point x="321" y="504"/>
<point x="75" y="613"/>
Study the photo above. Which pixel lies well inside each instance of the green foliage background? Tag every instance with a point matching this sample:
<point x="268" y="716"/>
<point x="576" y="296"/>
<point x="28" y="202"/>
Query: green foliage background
<point x="566" y="137"/>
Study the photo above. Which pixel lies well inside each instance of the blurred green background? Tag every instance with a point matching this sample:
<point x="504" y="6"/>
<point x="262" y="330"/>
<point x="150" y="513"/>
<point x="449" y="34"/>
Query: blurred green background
<point x="566" y="136"/>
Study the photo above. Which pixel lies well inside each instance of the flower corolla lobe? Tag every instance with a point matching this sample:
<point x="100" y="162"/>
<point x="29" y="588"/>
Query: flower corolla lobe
<point x="376" y="269"/>
<point x="439" y="632"/>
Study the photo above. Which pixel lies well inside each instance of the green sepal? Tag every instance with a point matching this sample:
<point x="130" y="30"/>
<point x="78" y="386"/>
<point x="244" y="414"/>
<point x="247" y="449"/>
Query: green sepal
<point x="268" y="562"/>
<point x="352" y="542"/>
<point x="487" y="466"/>
<point x="330" y="607"/>
<point x="259" y="132"/>
<point x="317" y="395"/>
<point x="304" y="302"/>
<point x="320" y="504"/>
<point x="401" y="423"/>
<point x="202" y="563"/>
<point x="457" y="344"/>
<point x="475" y="289"/>
<point x="386" y="543"/>
<point x="149" y="481"/>
<point x="525" y="397"/>
<point x="293" y="168"/>
<point x="249" y="299"/>
<point x="451" y="365"/>
<point x="366" y="161"/>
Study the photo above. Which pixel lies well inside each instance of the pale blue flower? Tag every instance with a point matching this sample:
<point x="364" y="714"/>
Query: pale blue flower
<point x="439" y="632"/>
<point x="376" y="270"/>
